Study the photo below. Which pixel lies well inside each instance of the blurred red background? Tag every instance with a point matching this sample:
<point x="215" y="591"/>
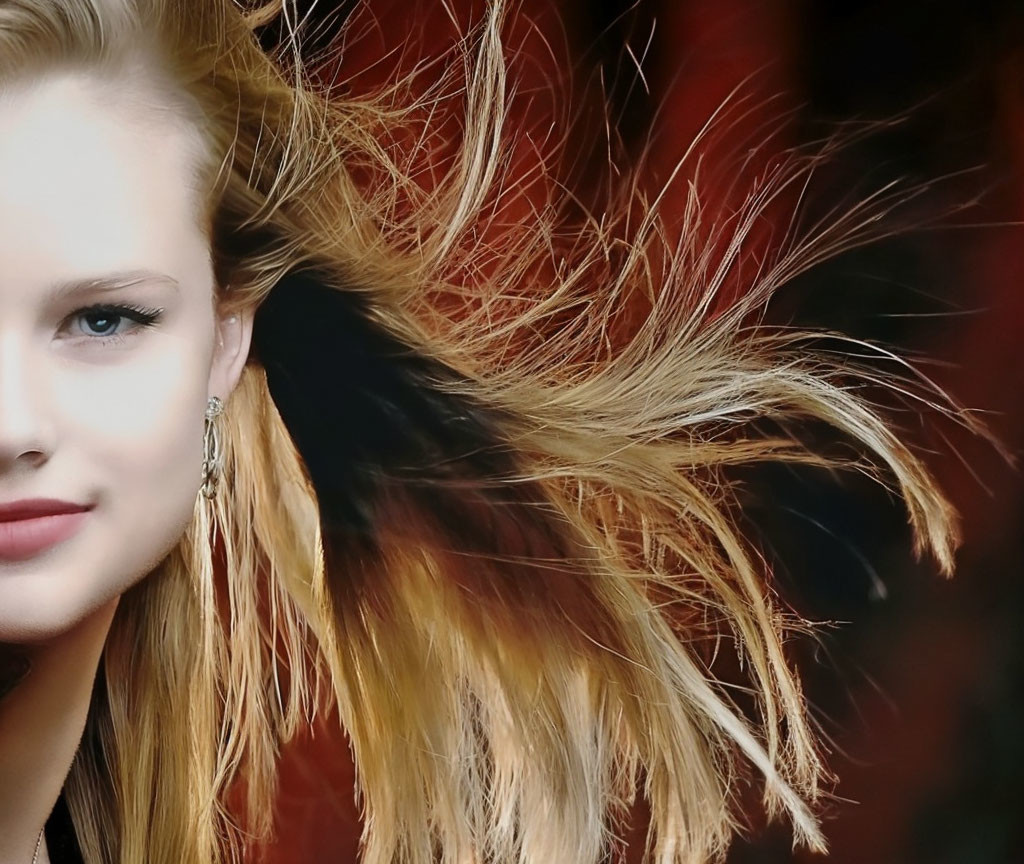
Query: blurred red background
<point x="921" y="689"/>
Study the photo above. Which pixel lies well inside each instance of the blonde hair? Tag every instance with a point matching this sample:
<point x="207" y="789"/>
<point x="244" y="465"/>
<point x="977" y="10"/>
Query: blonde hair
<point x="505" y="544"/>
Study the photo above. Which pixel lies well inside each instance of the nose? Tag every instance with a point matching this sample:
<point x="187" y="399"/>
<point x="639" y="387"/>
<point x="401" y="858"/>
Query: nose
<point x="24" y="430"/>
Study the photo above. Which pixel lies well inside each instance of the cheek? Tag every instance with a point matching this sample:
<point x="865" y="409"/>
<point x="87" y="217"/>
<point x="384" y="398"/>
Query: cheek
<point x="130" y="440"/>
<point x="141" y="429"/>
<point x="141" y="411"/>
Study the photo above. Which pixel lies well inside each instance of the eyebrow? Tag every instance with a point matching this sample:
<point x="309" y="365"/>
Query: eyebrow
<point x="111" y="282"/>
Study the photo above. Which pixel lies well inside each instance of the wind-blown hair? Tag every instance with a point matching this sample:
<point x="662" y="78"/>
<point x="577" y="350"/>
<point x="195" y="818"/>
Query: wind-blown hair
<point x="499" y="540"/>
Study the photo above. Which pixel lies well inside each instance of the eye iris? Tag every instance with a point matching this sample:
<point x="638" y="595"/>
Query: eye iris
<point x="101" y="322"/>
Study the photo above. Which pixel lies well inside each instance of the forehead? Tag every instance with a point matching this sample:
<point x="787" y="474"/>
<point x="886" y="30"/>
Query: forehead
<point x="94" y="176"/>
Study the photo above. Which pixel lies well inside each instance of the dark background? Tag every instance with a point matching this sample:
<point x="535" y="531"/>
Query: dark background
<point x="918" y="682"/>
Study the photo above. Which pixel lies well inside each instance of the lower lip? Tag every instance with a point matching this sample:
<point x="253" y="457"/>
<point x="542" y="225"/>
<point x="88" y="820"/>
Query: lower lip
<point x="23" y="538"/>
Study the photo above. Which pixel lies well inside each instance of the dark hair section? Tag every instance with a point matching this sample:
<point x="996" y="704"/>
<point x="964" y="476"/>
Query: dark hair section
<point x="395" y="446"/>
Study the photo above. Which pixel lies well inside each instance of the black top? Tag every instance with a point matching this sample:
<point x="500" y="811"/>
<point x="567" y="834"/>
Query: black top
<point x="60" y="835"/>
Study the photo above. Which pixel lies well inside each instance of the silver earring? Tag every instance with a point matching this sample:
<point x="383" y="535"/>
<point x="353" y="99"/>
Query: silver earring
<point x="213" y="457"/>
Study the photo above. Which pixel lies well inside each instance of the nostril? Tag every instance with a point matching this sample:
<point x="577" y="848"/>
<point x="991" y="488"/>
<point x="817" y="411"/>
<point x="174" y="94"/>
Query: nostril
<point x="22" y="437"/>
<point x="10" y="455"/>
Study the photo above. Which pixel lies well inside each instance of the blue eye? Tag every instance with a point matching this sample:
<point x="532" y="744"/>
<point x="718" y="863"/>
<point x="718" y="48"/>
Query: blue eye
<point x="106" y="322"/>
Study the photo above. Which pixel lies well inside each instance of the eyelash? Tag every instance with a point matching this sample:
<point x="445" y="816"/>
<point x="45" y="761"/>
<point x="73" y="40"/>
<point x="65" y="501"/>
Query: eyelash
<point x="141" y="315"/>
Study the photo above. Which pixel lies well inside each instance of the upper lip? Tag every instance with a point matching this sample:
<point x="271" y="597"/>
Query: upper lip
<point x="29" y="508"/>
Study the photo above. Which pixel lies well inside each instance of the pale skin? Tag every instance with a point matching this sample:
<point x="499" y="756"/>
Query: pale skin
<point x="95" y="407"/>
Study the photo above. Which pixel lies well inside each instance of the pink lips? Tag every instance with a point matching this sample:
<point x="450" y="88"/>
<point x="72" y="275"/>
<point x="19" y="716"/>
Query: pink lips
<point x="29" y="526"/>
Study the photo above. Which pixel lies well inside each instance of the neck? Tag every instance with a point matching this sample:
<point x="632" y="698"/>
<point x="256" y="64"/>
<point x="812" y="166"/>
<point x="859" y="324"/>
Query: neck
<point x="41" y="723"/>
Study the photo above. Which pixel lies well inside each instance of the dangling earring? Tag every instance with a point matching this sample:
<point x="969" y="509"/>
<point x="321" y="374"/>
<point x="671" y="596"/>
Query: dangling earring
<point x="213" y="457"/>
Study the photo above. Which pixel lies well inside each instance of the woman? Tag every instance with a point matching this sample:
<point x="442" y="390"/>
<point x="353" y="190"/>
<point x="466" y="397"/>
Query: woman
<point x="285" y="425"/>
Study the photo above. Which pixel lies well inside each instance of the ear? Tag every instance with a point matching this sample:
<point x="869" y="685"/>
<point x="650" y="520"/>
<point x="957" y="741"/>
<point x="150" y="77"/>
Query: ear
<point x="232" y="337"/>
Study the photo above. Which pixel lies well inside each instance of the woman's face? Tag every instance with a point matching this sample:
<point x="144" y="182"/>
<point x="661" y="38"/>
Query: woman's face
<point x="110" y="343"/>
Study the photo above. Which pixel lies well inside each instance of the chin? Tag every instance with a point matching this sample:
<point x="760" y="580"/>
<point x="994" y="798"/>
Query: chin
<point x="35" y="620"/>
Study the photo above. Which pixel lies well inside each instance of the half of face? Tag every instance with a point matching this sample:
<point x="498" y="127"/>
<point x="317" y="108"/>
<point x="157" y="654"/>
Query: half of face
<point x="110" y="343"/>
